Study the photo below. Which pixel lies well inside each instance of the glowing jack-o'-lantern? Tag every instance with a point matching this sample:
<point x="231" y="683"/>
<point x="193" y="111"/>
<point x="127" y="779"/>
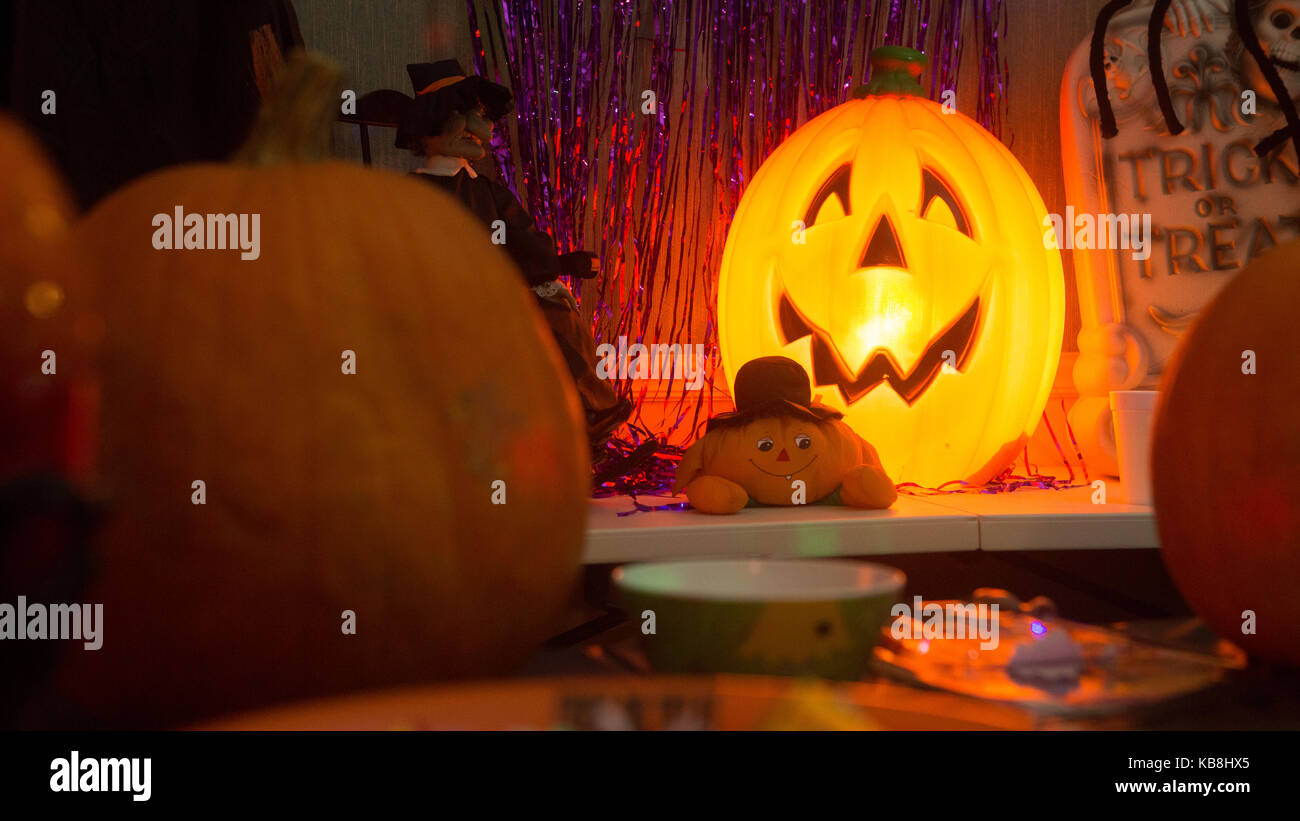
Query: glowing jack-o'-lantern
<point x="896" y="251"/>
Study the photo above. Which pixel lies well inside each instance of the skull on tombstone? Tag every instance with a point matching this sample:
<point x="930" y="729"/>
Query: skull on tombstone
<point x="1125" y="62"/>
<point x="1277" y="24"/>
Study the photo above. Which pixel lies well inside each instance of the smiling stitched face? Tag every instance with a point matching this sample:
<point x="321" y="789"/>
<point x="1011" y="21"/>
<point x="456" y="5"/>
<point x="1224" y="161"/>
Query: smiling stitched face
<point x="767" y="455"/>
<point x="896" y="252"/>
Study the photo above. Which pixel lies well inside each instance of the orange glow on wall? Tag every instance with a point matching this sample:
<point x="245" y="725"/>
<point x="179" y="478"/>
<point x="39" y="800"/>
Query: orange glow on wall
<point x="896" y="251"/>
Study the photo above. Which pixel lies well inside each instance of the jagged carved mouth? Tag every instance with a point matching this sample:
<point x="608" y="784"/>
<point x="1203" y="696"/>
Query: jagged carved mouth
<point x="829" y="368"/>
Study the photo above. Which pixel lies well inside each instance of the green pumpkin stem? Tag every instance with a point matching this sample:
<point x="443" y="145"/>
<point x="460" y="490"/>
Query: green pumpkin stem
<point x="894" y="70"/>
<point x="295" y="122"/>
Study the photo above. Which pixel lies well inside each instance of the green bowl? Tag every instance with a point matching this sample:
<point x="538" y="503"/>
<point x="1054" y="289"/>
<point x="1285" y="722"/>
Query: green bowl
<point x="818" y="617"/>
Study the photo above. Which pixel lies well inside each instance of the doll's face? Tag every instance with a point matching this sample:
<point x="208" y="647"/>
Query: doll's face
<point x="767" y="455"/>
<point x="465" y="135"/>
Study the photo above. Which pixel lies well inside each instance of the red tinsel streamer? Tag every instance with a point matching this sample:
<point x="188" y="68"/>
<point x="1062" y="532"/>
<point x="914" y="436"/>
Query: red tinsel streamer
<point x="1006" y="482"/>
<point x="1077" y="452"/>
<point x="654" y="475"/>
<point x="1056" y="442"/>
<point x="654" y="193"/>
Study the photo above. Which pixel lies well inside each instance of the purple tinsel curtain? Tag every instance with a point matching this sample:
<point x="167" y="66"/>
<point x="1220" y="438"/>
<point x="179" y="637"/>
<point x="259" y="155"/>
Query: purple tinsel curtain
<point x="640" y="122"/>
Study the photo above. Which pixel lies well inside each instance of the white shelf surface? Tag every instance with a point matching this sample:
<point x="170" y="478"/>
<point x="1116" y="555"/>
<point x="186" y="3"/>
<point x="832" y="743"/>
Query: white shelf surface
<point x="912" y="525"/>
<point x="1031" y="519"/>
<point x="1025" y="519"/>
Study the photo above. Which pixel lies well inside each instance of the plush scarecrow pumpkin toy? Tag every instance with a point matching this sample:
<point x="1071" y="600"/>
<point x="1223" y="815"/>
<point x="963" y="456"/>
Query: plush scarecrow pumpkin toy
<point x="780" y="448"/>
<point x="450" y="124"/>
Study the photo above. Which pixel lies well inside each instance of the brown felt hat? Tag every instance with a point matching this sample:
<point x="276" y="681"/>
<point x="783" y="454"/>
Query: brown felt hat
<point x="441" y="89"/>
<point x="772" y="386"/>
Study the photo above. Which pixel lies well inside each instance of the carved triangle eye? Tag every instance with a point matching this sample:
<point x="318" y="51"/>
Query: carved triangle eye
<point x="940" y="204"/>
<point x="832" y="199"/>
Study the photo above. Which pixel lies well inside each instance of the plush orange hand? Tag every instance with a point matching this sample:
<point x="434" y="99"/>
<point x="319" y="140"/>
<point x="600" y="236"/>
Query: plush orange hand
<point x="713" y="494"/>
<point x="869" y="487"/>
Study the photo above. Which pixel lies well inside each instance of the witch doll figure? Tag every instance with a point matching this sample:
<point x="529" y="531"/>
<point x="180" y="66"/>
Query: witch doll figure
<point x="450" y="124"/>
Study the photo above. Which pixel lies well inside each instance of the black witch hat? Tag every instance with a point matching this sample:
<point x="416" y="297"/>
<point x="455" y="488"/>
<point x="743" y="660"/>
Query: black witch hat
<point x="772" y="386"/>
<point x="442" y="89"/>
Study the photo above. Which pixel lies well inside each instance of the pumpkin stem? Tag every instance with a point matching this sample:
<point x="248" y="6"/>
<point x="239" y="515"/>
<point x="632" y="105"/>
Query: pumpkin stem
<point x="894" y="70"/>
<point x="295" y="122"/>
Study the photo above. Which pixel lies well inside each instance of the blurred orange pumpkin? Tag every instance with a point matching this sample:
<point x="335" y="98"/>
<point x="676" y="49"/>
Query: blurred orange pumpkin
<point x="46" y="394"/>
<point x="325" y="491"/>
<point x="1226" y="461"/>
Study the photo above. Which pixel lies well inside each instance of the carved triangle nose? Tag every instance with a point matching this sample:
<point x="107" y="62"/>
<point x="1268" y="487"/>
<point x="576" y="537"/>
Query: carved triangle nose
<point x="783" y="456"/>
<point x="884" y="248"/>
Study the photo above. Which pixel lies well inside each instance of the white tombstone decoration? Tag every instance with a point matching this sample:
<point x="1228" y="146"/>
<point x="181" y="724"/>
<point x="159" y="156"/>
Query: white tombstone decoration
<point x="1213" y="205"/>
